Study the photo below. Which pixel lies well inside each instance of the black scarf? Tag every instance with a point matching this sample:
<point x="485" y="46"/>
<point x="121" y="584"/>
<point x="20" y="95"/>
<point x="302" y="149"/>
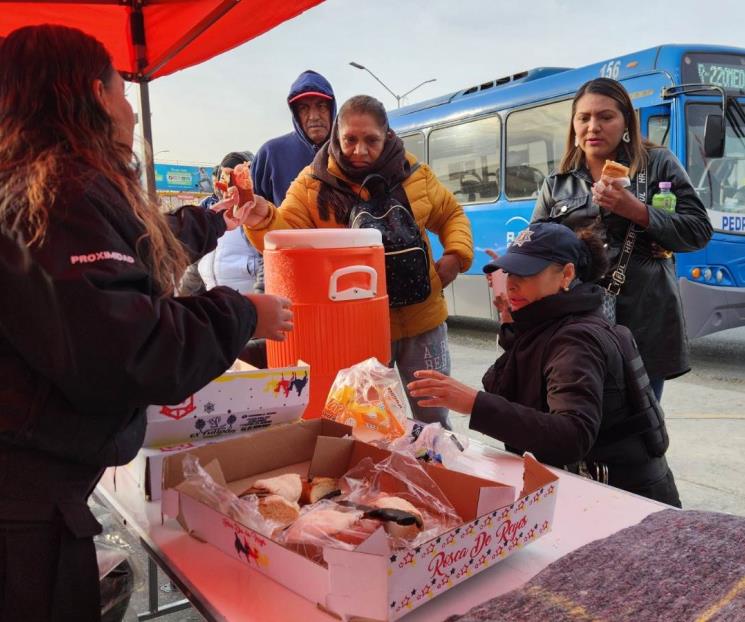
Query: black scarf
<point x="337" y="196"/>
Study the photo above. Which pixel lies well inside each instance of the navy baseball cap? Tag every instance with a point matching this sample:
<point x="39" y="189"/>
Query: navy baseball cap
<point x="538" y="246"/>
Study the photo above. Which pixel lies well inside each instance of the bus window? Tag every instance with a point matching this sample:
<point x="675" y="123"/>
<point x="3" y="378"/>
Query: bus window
<point x="414" y="144"/>
<point x="658" y="130"/>
<point x="535" y="142"/>
<point x="720" y="182"/>
<point x="465" y="158"/>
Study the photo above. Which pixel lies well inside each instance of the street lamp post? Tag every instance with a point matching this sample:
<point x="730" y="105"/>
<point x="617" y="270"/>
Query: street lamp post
<point x="397" y="97"/>
<point x="161" y="151"/>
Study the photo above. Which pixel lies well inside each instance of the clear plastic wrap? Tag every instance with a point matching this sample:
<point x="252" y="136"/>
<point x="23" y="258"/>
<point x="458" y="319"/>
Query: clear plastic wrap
<point x="326" y="523"/>
<point x="200" y="484"/>
<point x="119" y="571"/>
<point x="369" y="397"/>
<point x="400" y="476"/>
<point x="431" y="443"/>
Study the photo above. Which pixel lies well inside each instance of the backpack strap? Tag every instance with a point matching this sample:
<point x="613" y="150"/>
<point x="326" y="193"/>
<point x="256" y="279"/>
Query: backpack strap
<point x="374" y="177"/>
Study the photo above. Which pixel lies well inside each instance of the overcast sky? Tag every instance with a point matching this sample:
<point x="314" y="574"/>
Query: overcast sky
<point x="237" y="100"/>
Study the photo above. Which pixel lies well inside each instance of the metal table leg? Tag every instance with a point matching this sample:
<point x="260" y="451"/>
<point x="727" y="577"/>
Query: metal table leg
<point x="155" y="610"/>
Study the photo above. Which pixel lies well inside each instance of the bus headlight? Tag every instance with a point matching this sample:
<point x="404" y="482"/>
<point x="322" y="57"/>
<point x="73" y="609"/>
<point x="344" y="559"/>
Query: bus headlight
<point x="720" y="276"/>
<point x="696" y="273"/>
<point x="707" y="274"/>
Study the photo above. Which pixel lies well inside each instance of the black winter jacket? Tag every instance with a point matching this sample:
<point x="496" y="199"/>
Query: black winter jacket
<point x="559" y="386"/>
<point x="649" y="302"/>
<point x="79" y="363"/>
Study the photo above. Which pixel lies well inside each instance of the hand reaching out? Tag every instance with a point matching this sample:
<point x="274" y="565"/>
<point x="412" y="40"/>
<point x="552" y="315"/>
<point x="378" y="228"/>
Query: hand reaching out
<point x="439" y="390"/>
<point x="274" y="316"/>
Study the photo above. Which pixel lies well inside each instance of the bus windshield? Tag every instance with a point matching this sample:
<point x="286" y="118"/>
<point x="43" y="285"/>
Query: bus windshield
<point x="720" y="182"/>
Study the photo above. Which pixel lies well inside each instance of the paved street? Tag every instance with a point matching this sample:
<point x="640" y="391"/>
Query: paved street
<point x="705" y="412"/>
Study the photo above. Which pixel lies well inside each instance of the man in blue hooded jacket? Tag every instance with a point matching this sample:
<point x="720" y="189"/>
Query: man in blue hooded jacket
<point x="279" y="160"/>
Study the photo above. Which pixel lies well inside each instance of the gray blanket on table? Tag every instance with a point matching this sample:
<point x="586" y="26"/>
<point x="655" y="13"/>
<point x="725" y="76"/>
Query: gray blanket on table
<point x="673" y="566"/>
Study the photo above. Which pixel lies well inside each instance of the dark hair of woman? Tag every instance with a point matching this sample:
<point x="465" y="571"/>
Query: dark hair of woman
<point x="590" y="271"/>
<point x="51" y="122"/>
<point x="637" y="147"/>
<point x="364" y="104"/>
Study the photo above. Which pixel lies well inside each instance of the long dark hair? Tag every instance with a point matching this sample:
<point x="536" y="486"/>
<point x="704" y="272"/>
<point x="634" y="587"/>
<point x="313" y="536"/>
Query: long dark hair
<point x="637" y="147"/>
<point x="50" y="118"/>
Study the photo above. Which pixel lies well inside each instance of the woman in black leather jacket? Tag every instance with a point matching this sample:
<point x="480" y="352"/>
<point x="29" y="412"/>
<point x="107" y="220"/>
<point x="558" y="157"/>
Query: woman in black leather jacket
<point x="560" y="389"/>
<point x="604" y="126"/>
<point x="90" y="331"/>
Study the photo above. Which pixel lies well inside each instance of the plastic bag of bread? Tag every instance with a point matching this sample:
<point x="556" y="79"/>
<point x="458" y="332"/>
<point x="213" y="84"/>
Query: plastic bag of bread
<point x="211" y="490"/>
<point x="430" y="442"/>
<point x="401" y="484"/>
<point x="369" y="397"/>
<point x="325" y="524"/>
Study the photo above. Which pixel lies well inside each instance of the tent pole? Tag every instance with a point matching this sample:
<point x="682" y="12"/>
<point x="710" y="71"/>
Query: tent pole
<point x="147" y="139"/>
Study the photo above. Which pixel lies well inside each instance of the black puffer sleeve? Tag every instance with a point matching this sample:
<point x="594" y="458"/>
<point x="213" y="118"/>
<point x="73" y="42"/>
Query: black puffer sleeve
<point x="129" y="344"/>
<point x="197" y="228"/>
<point x="574" y="374"/>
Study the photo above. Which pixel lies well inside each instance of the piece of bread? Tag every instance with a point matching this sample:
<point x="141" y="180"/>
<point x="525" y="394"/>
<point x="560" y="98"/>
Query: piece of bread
<point x="278" y="509"/>
<point x="224" y="182"/>
<point x="407" y="532"/>
<point x="614" y="170"/>
<point x="317" y="488"/>
<point x="318" y="524"/>
<point x="288" y="486"/>
<point x="241" y="177"/>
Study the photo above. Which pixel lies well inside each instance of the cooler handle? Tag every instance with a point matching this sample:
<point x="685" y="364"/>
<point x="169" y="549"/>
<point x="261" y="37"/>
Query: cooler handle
<point x="353" y="293"/>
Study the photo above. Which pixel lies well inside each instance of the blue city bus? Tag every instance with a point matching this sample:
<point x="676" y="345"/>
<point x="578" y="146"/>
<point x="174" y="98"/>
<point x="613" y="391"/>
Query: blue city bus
<point x="492" y="145"/>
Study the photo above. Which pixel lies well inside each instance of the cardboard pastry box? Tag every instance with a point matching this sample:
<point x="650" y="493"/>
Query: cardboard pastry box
<point x="240" y="400"/>
<point x="496" y="522"/>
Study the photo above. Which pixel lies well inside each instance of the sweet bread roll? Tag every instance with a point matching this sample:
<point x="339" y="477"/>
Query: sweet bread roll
<point x="318" y="524"/>
<point x="278" y="509"/>
<point x="614" y="170"/>
<point x="288" y="486"/>
<point x="407" y="532"/>
<point x="317" y="489"/>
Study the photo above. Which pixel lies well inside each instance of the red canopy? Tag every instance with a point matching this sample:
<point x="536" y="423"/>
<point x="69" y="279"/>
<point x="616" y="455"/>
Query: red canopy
<point x="174" y="34"/>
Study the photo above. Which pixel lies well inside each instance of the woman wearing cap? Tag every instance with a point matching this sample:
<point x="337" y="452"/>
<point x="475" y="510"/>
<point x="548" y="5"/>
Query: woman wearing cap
<point x="559" y="390"/>
<point x="604" y="126"/>
<point x="76" y="379"/>
<point x="323" y="195"/>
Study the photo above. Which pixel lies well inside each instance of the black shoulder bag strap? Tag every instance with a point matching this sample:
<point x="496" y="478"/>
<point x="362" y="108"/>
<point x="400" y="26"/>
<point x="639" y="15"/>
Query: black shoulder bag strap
<point x="618" y="276"/>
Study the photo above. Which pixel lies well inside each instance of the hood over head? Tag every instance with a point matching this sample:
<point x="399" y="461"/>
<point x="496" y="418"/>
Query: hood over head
<point x="309" y="83"/>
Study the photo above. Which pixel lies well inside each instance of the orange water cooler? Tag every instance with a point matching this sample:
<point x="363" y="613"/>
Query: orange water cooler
<point x="336" y="281"/>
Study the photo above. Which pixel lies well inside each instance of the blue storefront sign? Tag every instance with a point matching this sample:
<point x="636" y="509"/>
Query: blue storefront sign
<point x="182" y="178"/>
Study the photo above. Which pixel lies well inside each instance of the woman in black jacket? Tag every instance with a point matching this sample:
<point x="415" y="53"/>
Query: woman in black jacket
<point x="604" y="126"/>
<point x="90" y="332"/>
<point x="559" y="390"/>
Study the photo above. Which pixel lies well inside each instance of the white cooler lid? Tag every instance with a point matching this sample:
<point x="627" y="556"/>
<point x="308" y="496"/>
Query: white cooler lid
<point x="322" y="238"/>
